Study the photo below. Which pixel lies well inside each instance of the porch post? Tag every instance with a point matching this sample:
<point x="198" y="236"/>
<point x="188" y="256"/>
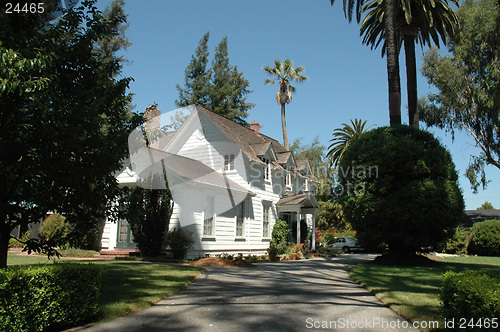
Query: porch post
<point x="298" y="226"/>
<point x="313" y="247"/>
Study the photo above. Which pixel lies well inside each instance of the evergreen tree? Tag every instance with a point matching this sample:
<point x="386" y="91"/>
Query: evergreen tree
<point x="222" y="88"/>
<point x="228" y="87"/>
<point x="197" y="79"/>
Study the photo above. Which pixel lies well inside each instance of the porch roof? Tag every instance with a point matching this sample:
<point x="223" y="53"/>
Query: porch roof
<point x="304" y="199"/>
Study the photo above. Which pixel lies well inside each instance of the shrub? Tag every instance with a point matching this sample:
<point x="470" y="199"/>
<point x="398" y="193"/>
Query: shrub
<point x="279" y="237"/>
<point x="457" y="243"/>
<point x="179" y="240"/>
<point x="15" y="243"/>
<point x="51" y="296"/>
<point x="485" y="238"/>
<point x="398" y="185"/>
<point x="470" y="295"/>
<point x="55" y="229"/>
<point x="148" y="213"/>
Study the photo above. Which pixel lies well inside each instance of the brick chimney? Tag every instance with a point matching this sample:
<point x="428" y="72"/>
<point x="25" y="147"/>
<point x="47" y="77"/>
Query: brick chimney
<point x="255" y="126"/>
<point x="152" y="117"/>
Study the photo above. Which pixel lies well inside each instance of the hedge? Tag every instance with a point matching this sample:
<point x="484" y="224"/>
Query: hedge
<point x="470" y="295"/>
<point x="485" y="238"/>
<point x="48" y="296"/>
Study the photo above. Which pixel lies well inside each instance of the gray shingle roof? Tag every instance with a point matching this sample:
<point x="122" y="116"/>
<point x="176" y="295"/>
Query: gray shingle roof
<point x="245" y="138"/>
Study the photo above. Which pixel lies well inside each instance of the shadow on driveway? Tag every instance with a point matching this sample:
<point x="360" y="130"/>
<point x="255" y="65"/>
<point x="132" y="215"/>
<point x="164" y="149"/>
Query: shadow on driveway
<point x="282" y="296"/>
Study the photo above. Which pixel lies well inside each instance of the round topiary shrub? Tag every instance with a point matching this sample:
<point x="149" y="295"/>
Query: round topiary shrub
<point x="485" y="238"/>
<point x="398" y="187"/>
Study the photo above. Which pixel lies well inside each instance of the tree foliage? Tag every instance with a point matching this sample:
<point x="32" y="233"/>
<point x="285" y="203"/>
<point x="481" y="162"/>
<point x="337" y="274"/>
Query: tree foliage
<point x="400" y="188"/>
<point x="486" y="206"/>
<point x="417" y="21"/>
<point x="62" y="142"/>
<point x="468" y="85"/>
<point x="222" y="88"/>
<point x="148" y="213"/>
<point x="343" y="137"/>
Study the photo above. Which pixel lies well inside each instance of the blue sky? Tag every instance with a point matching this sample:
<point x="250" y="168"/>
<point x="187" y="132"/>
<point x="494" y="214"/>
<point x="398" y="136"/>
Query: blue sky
<point x="347" y="79"/>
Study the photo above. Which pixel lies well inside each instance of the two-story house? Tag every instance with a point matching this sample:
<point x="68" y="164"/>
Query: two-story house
<point x="229" y="185"/>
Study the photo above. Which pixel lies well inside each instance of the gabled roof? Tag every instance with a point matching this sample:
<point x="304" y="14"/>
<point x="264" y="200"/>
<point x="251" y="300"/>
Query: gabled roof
<point x="303" y="199"/>
<point x="251" y="143"/>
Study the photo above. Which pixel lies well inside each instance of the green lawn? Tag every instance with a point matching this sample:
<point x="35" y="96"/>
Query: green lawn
<point x="129" y="286"/>
<point x="413" y="291"/>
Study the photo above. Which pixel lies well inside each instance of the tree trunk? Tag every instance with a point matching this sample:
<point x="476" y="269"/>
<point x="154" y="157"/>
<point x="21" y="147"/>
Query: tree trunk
<point x="4" y="243"/>
<point x="392" y="63"/>
<point x="411" y="83"/>
<point x="283" y="124"/>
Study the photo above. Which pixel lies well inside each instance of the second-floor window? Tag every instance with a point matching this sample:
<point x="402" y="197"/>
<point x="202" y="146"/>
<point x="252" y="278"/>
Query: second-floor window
<point x="267" y="170"/>
<point x="229" y="162"/>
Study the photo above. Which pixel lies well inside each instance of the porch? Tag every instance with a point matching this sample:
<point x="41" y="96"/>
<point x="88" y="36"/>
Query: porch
<point x="299" y="210"/>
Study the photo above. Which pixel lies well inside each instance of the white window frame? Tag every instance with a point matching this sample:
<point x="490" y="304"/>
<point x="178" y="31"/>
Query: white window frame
<point x="267" y="170"/>
<point x="209" y="216"/>
<point x="266" y="219"/>
<point x="240" y="218"/>
<point x="228" y="162"/>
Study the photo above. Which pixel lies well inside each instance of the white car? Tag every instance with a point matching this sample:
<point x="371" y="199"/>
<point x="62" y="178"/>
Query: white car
<point x="346" y="244"/>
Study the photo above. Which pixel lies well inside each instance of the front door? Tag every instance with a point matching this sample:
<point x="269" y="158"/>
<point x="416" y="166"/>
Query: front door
<point x="125" y="238"/>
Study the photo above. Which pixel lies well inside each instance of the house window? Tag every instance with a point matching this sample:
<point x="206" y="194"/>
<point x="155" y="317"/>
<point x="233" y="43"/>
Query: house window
<point x="266" y="220"/>
<point x="209" y="217"/>
<point x="267" y="170"/>
<point x="240" y="219"/>
<point x="288" y="178"/>
<point x="229" y="162"/>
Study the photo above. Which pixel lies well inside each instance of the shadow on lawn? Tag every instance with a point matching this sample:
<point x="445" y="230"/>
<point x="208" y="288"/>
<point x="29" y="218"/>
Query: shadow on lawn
<point x="124" y="283"/>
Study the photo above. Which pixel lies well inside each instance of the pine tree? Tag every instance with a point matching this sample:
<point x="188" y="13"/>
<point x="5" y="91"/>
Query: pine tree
<point x="197" y="79"/>
<point x="228" y="87"/>
<point x="222" y="88"/>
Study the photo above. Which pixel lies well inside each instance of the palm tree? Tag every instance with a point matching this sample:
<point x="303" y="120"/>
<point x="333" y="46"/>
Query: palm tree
<point x="421" y="21"/>
<point x="356" y="6"/>
<point x="284" y="73"/>
<point x="342" y="139"/>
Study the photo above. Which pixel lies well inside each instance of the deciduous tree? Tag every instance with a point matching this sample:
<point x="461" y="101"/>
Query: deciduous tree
<point x="64" y="118"/>
<point x="468" y="84"/>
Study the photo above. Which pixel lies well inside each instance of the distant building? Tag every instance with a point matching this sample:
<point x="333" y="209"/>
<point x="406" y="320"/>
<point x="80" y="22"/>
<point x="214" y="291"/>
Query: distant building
<point x="470" y="217"/>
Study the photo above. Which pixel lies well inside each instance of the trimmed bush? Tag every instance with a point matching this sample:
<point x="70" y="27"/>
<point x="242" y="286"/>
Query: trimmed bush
<point x="398" y="186"/>
<point x="279" y="237"/>
<point x="49" y="296"/>
<point x="485" y="238"/>
<point x="470" y="294"/>
<point x="179" y="240"/>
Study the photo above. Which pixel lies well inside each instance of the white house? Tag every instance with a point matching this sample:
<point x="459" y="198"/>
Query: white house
<point x="229" y="185"/>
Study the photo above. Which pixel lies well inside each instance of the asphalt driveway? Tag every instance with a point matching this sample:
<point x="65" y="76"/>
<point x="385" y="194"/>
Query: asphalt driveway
<point x="287" y="296"/>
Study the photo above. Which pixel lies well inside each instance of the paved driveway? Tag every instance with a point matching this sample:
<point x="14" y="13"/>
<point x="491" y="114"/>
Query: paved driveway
<point x="286" y="296"/>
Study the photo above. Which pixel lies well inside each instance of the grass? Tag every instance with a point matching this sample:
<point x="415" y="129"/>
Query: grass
<point x="128" y="286"/>
<point x="413" y="291"/>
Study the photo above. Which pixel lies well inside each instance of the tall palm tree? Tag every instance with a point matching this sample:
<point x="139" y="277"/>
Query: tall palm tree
<point x="342" y="139"/>
<point x="356" y="6"/>
<point x="284" y="73"/>
<point x="421" y="21"/>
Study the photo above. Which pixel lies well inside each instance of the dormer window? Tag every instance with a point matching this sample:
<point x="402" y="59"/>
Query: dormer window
<point x="229" y="162"/>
